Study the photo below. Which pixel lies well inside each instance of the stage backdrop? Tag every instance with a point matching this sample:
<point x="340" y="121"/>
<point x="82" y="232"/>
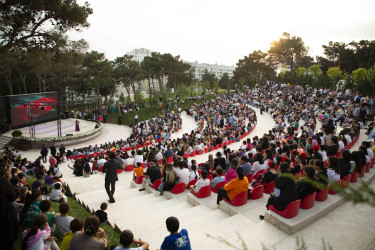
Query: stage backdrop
<point x="43" y="107"/>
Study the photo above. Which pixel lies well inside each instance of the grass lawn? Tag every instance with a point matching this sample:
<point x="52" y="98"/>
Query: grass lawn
<point x="76" y="210"/>
<point x="151" y="112"/>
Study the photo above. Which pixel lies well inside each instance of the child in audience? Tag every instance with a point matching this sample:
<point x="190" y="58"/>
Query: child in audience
<point x="102" y="215"/>
<point x="219" y="178"/>
<point x="203" y="181"/>
<point x="45" y="208"/>
<point x="57" y="195"/>
<point x="176" y="240"/>
<point x="63" y="221"/>
<point x="127" y="238"/>
<point x="33" y="209"/>
<point x="138" y="171"/>
<point x="39" y="235"/>
<point x="75" y="226"/>
<point x="48" y="178"/>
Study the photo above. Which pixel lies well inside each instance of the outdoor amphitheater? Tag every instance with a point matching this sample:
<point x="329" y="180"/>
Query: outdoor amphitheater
<point x="144" y="213"/>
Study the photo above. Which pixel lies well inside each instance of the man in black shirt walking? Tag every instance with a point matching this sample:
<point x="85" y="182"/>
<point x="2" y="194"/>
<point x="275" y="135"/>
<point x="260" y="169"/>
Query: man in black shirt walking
<point x="110" y="168"/>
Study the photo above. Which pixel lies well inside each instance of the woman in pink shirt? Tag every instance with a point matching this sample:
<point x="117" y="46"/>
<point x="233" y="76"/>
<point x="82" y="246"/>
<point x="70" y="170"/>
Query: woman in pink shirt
<point x="231" y="174"/>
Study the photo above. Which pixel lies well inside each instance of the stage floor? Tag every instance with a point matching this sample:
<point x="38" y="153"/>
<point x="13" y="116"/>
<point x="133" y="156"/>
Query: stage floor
<point x="49" y="129"/>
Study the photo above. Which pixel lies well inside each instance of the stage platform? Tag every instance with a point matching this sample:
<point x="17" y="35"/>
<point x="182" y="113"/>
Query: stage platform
<point x="49" y="129"/>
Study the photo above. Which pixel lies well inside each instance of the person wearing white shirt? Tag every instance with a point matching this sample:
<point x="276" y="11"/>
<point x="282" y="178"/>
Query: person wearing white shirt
<point x="333" y="170"/>
<point x="138" y="158"/>
<point x="182" y="174"/>
<point x="101" y="162"/>
<point x="202" y="182"/>
<point x="159" y="156"/>
<point x="258" y="164"/>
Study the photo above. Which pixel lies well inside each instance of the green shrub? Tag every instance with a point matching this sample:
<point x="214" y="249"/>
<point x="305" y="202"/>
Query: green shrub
<point x="17" y="133"/>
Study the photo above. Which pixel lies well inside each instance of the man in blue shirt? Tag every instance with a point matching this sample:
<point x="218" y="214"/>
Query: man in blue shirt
<point x="176" y="240"/>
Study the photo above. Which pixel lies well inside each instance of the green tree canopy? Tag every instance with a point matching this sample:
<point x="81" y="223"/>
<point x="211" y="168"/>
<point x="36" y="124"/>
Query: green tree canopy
<point x="32" y="23"/>
<point x="334" y="73"/>
<point x="288" y="50"/>
<point x="359" y="75"/>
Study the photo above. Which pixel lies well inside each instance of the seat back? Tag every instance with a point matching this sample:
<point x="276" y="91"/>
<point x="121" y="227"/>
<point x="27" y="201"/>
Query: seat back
<point x="346" y="181"/>
<point x="191" y="183"/>
<point x="259" y="173"/>
<point x="322" y="195"/>
<point x="170" y="159"/>
<point x="217" y="146"/>
<point x="119" y="170"/>
<point x="143" y="165"/>
<point x="185" y="156"/>
<point x="139" y="179"/>
<point x="205" y="150"/>
<point x="250" y="177"/>
<point x="363" y="170"/>
<point x="269" y="188"/>
<point x="178" y="188"/>
<point x="192" y="154"/>
<point x="354" y="177"/>
<point x="334" y="188"/>
<point x="129" y="168"/>
<point x="239" y="200"/>
<point x="291" y="211"/>
<point x="156" y="184"/>
<point x="219" y="185"/>
<point x="308" y="202"/>
<point x="200" y="152"/>
<point x="257" y="193"/>
<point x="203" y="192"/>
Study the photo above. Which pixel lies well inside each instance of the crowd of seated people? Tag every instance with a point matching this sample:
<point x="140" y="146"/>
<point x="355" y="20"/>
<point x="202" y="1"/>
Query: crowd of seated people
<point x="286" y="150"/>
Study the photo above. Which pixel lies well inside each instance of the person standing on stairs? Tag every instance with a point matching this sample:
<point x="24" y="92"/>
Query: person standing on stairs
<point x="110" y="168"/>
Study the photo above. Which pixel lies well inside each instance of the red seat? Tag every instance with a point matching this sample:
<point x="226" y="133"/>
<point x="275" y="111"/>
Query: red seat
<point x="191" y="183"/>
<point x="212" y="148"/>
<point x="226" y="143"/>
<point x="269" y="188"/>
<point x="346" y="181"/>
<point x="258" y="173"/>
<point x="221" y="145"/>
<point x="129" y="168"/>
<point x="332" y="189"/>
<point x="308" y="202"/>
<point x="139" y="146"/>
<point x="143" y="165"/>
<point x="239" y="200"/>
<point x="363" y="170"/>
<point x="119" y="170"/>
<point x="192" y="154"/>
<point x="322" y="195"/>
<point x="250" y="177"/>
<point x="257" y="193"/>
<point x="219" y="185"/>
<point x="160" y="162"/>
<point x="367" y="167"/>
<point x="185" y="156"/>
<point x="200" y="152"/>
<point x="139" y="179"/>
<point x="203" y="192"/>
<point x="170" y="160"/>
<point x="217" y="146"/>
<point x="205" y="150"/>
<point x="156" y="184"/>
<point x="354" y="177"/>
<point x="290" y="211"/>
<point x="178" y="188"/>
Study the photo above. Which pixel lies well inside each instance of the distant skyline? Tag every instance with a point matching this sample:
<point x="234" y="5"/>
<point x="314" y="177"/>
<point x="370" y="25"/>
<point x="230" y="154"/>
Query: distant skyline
<point x="220" y="31"/>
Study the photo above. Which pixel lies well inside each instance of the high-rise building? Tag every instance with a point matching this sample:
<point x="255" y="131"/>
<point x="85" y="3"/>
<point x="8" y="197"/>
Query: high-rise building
<point x="139" y="54"/>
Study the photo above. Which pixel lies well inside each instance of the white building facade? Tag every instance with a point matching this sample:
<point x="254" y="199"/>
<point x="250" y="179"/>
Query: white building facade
<point x="217" y="70"/>
<point x="139" y="54"/>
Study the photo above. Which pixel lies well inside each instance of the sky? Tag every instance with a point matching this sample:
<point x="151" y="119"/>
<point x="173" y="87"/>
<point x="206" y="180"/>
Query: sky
<point x="222" y="32"/>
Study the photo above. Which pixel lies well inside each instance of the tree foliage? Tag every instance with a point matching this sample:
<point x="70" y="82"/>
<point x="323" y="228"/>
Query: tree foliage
<point x="33" y="23"/>
<point x="334" y="73"/>
<point x="288" y="50"/>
